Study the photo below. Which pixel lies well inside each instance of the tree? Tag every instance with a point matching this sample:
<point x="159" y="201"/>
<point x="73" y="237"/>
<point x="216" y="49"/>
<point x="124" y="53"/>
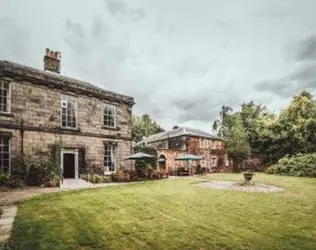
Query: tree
<point x="224" y="124"/>
<point x="251" y="114"/>
<point x="292" y="132"/>
<point x="237" y="144"/>
<point x="144" y="126"/>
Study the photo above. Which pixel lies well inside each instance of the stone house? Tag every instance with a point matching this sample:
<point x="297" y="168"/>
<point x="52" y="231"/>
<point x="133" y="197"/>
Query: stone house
<point x="180" y="141"/>
<point x="42" y="108"/>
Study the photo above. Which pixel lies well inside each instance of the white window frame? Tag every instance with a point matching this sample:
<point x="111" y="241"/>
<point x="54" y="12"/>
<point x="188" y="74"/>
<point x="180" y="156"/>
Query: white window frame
<point x="61" y="111"/>
<point x="114" y="107"/>
<point x="9" y="152"/>
<point x="106" y="168"/>
<point x="2" y="82"/>
<point x="214" y="163"/>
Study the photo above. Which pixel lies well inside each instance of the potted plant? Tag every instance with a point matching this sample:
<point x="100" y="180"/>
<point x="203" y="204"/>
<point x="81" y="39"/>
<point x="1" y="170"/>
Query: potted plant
<point x="248" y="174"/>
<point x="53" y="181"/>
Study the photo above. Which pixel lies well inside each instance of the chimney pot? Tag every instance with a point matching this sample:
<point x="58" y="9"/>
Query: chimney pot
<point x="52" y="61"/>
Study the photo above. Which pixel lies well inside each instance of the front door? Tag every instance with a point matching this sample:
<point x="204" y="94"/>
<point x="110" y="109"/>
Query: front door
<point x="69" y="165"/>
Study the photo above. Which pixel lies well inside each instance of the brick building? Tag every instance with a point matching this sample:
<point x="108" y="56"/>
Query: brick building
<point x="180" y="141"/>
<point x="41" y="108"/>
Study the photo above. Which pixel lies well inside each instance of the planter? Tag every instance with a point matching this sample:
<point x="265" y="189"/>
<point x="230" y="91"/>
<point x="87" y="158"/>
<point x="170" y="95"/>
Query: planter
<point x="248" y="176"/>
<point x="51" y="183"/>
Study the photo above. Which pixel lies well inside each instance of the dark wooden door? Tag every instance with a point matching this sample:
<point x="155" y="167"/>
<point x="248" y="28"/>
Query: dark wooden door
<point x="69" y="165"/>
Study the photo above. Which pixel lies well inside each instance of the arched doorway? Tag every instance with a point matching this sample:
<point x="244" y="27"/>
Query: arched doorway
<point x="162" y="161"/>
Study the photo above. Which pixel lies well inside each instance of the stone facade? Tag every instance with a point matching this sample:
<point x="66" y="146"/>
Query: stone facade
<point x="33" y="121"/>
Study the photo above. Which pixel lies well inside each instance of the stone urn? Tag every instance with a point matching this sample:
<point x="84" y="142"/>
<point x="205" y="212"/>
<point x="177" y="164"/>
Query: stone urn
<point x="248" y="176"/>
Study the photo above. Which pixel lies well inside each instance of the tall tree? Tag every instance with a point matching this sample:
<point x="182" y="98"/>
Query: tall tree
<point x="230" y="126"/>
<point x="251" y="114"/>
<point x="238" y="146"/>
<point x="144" y="126"/>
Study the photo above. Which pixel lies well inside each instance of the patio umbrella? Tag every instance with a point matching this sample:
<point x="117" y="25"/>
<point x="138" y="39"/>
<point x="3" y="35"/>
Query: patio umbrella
<point x="139" y="156"/>
<point x="189" y="158"/>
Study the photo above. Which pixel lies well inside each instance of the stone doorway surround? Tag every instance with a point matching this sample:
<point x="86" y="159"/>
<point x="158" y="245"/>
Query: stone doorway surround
<point x="76" y="155"/>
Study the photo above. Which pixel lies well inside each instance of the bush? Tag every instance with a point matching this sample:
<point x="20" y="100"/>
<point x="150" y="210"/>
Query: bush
<point x="9" y="181"/>
<point x="200" y="170"/>
<point x="95" y="178"/>
<point x="299" y="165"/>
<point x="34" y="171"/>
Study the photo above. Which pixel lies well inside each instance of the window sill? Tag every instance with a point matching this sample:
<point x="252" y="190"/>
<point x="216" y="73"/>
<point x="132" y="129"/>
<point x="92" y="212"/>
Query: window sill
<point x="6" y="114"/>
<point x="109" y="173"/>
<point x="70" y="129"/>
<point x="110" y="128"/>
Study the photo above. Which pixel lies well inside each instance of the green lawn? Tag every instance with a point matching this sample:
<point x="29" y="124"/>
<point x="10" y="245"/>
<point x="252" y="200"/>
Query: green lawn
<point x="171" y="214"/>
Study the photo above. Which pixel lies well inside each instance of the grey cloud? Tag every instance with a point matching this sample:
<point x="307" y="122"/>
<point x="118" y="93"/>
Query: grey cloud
<point x="306" y="49"/>
<point x="119" y="9"/>
<point x="274" y="11"/>
<point x="165" y="28"/>
<point x="303" y="77"/>
<point x="75" y="28"/>
<point x="223" y="24"/>
<point x="15" y="41"/>
<point x="204" y="103"/>
<point x="78" y="40"/>
<point x="191" y="66"/>
<point x="99" y="29"/>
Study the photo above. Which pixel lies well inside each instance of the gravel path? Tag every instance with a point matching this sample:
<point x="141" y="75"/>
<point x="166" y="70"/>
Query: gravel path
<point x="233" y="185"/>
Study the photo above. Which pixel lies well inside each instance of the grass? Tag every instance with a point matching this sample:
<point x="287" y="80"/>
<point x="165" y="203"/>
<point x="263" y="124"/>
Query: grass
<point x="171" y="214"/>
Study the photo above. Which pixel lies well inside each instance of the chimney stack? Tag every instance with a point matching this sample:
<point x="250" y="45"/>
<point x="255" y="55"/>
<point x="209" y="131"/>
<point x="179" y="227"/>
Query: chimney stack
<point x="52" y="61"/>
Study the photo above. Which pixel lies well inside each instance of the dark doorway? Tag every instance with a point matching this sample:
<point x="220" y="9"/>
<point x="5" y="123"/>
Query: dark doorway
<point x="162" y="162"/>
<point x="69" y="165"/>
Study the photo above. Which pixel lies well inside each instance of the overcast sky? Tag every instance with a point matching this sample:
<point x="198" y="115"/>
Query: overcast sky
<point x="180" y="59"/>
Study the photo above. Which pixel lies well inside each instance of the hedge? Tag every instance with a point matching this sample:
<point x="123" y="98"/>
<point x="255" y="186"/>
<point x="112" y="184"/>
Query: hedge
<point x="298" y="165"/>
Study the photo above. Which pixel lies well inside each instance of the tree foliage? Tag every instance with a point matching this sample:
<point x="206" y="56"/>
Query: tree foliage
<point x="238" y="146"/>
<point x="273" y="136"/>
<point x="144" y="126"/>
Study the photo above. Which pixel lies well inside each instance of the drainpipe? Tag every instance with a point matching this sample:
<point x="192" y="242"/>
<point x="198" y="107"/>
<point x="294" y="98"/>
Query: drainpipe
<point x="22" y="136"/>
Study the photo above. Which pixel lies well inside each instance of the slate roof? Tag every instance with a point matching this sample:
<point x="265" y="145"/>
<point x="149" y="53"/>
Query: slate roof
<point x="182" y="131"/>
<point x="37" y="76"/>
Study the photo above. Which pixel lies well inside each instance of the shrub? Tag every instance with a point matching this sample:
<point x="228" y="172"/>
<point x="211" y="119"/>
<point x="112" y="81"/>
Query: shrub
<point x="34" y="171"/>
<point x="9" y="181"/>
<point x="298" y="165"/>
<point x="114" y="177"/>
<point x="200" y="170"/>
<point x="95" y="178"/>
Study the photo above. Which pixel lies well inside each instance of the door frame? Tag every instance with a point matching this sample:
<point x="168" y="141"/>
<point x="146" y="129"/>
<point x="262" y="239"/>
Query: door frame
<point x="70" y="151"/>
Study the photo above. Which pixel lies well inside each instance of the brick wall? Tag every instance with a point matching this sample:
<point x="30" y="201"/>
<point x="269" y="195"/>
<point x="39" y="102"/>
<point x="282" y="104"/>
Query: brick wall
<point x="197" y="148"/>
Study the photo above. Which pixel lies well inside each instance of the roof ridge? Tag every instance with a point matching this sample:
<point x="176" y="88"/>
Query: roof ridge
<point x="37" y="74"/>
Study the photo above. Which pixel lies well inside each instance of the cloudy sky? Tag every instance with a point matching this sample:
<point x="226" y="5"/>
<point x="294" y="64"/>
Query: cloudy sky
<point x="180" y="59"/>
